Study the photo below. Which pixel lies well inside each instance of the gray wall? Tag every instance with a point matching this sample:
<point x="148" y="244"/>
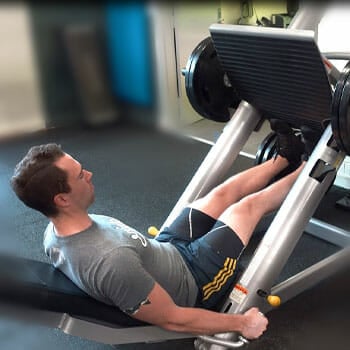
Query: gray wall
<point x="59" y="94"/>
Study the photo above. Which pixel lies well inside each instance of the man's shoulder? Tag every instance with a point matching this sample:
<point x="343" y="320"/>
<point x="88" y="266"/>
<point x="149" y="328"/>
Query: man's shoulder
<point x="104" y="219"/>
<point x="100" y="217"/>
<point x="113" y="223"/>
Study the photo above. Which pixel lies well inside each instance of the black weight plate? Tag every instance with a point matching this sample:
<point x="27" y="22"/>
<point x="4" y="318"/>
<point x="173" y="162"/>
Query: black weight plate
<point x="261" y="149"/>
<point x="335" y="120"/>
<point x="190" y="74"/>
<point x="344" y="118"/>
<point x="206" y="94"/>
<point x="205" y="84"/>
<point x="213" y="95"/>
<point x="264" y="145"/>
<point x="270" y="150"/>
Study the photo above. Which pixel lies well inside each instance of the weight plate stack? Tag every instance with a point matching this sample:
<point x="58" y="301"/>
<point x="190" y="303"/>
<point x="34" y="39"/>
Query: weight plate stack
<point x="207" y="86"/>
<point x="340" y="120"/>
<point x="267" y="148"/>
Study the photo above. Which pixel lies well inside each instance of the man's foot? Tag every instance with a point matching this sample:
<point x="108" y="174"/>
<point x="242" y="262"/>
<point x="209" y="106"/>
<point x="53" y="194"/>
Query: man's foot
<point x="288" y="144"/>
<point x="310" y="137"/>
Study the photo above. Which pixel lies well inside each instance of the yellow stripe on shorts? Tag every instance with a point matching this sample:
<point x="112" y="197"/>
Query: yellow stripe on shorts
<point x="220" y="279"/>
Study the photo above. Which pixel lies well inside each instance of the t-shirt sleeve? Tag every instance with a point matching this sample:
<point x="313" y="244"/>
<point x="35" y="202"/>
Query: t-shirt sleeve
<point x="125" y="282"/>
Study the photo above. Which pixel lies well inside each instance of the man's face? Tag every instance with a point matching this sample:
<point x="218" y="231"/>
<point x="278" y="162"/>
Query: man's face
<point x="79" y="180"/>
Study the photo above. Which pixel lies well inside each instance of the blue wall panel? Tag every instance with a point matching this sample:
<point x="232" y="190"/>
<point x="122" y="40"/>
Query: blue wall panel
<point x="128" y="43"/>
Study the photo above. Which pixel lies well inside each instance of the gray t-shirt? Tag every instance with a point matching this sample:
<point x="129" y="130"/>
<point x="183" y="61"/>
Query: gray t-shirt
<point x="119" y="266"/>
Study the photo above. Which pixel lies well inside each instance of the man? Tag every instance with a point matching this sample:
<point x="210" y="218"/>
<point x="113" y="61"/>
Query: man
<point x="176" y="280"/>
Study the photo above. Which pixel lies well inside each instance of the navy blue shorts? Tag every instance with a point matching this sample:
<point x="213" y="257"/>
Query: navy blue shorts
<point x="210" y="249"/>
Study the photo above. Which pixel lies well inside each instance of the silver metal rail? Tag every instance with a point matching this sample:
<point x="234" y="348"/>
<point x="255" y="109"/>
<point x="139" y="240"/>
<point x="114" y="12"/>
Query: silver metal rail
<point x="220" y="157"/>
<point x="289" y="222"/>
<point x="284" y="231"/>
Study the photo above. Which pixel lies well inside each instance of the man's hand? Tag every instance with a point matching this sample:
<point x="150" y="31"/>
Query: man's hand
<point x="255" y="324"/>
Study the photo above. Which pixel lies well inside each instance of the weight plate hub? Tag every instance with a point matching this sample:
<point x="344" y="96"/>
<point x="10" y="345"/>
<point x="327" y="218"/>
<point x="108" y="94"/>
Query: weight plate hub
<point x="207" y="86"/>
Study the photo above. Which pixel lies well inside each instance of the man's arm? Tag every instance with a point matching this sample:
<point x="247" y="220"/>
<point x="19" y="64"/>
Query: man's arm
<point x="162" y="311"/>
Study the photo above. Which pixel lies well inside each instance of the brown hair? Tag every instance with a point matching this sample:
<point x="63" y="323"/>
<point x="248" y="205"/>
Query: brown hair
<point x="36" y="180"/>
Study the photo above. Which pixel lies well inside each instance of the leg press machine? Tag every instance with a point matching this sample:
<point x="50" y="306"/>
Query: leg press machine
<point x="277" y="73"/>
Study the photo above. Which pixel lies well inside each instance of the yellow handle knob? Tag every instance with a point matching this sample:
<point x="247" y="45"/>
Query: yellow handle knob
<point x="153" y="231"/>
<point x="274" y="300"/>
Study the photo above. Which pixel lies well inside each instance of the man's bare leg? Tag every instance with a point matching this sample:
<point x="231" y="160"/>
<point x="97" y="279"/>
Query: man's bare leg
<point x="238" y="186"/>
<point x="243" y="216"/>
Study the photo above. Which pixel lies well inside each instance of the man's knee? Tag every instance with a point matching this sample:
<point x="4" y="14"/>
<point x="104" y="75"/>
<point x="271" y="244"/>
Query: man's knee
<point x="222" y="195"/>
<point x="212" y="203"/>
<point x="247" y="205"/>
<point x="243" y="216"/>
<point x="247" y="208"/>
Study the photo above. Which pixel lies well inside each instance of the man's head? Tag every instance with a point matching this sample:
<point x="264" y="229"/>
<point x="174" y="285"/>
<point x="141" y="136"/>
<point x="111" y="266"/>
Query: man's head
<point x="49" y="180"/>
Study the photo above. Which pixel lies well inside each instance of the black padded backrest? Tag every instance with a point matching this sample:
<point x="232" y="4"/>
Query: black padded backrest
<point x="278" y="71"/>
<point x="34" y="284"/>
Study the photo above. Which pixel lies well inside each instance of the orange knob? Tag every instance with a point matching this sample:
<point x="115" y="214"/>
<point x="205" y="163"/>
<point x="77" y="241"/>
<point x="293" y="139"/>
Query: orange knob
<point x="153" y="231"/>
<point x="274" y="300"/>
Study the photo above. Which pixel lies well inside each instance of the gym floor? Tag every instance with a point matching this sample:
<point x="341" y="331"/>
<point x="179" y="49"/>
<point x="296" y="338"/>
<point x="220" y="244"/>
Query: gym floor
<point x="139" y="174"/>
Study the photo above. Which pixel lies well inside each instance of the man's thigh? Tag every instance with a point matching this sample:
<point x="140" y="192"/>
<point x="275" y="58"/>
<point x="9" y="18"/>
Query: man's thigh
<point x="215" y="264"/>
<point x="212" y="259"/>
<point x="189" y="225"/>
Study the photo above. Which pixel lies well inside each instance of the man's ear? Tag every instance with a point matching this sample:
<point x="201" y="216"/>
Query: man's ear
<point x="61" y="200"/>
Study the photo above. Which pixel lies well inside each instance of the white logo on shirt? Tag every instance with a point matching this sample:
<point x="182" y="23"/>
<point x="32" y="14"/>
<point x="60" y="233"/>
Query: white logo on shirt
<point x="56" y="256"/>
<point x="143" y="240"/>
<point x="134" y="234"/>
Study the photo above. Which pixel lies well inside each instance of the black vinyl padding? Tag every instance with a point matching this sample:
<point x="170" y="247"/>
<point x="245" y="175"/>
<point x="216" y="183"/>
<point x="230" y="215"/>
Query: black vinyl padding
<point x="34" y="284"/>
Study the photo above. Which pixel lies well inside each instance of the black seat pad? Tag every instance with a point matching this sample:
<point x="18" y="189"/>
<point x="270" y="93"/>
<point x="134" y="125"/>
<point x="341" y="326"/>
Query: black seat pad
<point x="39" y="285"/>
